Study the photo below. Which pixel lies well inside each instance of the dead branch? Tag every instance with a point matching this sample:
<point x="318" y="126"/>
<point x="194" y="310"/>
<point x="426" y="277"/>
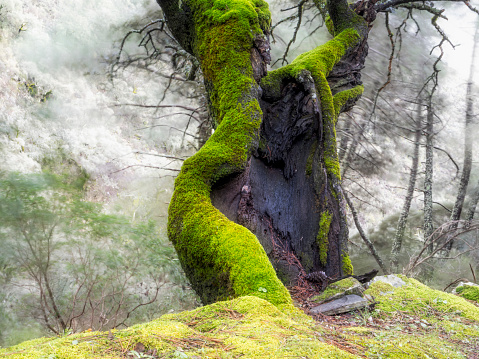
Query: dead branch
<point x="439" y="241"/>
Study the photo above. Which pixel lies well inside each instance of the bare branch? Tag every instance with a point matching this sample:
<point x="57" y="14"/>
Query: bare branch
<point x="363" y="235"/>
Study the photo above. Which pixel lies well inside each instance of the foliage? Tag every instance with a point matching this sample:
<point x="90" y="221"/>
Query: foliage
<point x="73" y="267"/>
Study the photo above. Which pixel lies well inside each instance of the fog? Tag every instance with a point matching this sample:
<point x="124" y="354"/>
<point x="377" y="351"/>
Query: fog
<point x="59" y="101"/>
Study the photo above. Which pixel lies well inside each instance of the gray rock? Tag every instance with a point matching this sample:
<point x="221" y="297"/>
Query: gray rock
<point x="345" y="304"/>
<point x="338" y="290"/>
<point x="395" y="281"/>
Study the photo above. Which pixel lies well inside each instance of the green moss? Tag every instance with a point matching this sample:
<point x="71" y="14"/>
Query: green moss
<point x="250" y="327"/>
<point x="344" y="96"/>
<point x="347" y="265"/>
<point x="329" y="25"/>
<point x="469" y="292"/>
<point x="322" y="237"/>
<point x="396" y="345"/>
<point x="456" y="329"/>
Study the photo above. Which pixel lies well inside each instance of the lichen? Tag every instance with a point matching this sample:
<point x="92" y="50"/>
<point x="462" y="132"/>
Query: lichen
<point x="322" y="237"/>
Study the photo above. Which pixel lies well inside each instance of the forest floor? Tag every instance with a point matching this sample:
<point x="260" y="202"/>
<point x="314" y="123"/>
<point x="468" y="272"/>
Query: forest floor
<point x="413" y="321"/>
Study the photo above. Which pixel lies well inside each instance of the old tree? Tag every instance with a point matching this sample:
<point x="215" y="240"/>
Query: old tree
<point x="261" y="204"/>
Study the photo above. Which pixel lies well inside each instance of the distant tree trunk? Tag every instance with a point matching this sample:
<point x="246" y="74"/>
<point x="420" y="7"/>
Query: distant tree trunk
<point x="428" y="221"/>
<point x="468" y="145"/>
<point x="401" y="226"/>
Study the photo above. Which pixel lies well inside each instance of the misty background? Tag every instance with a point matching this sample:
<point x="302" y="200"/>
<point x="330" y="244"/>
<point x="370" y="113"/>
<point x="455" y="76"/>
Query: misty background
<point x="84" y="132"/>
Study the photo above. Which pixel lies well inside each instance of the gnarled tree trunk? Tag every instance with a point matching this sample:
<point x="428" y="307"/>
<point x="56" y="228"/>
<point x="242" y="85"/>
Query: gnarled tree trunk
<point x="267" y="182"/>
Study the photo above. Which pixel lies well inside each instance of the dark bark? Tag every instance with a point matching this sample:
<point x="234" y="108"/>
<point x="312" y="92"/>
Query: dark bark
<point x="281" y="196"/>
<point x="180" y="22"/>
<point x="278" y="197"/>
<point x="286" y="189"/>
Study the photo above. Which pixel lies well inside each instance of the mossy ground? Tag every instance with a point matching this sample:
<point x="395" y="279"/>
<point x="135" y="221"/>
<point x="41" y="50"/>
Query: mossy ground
<point x="409" y="322"/>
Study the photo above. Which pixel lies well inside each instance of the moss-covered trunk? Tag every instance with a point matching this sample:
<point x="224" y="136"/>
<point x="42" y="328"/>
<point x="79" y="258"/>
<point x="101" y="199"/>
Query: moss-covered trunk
<point x="268" y="178"/>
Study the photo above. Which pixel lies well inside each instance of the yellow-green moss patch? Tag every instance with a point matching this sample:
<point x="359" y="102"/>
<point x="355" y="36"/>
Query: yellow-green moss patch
<point x="322" y="237"/>
<point x="347" y="264"/>
<point x="469" y="292"/>
<point x="251" y="327"/>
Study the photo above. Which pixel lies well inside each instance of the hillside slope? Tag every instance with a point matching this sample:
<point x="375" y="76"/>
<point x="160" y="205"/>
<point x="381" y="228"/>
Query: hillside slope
<point x="413" y="321"/>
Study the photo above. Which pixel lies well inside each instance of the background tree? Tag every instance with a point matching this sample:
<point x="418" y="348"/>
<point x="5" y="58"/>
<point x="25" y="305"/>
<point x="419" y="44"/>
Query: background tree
<point x="72" y="267"/>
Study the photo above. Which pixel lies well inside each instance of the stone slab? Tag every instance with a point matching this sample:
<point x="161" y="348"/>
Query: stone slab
<point x="338" y="290"/>
<point x="345" y="304"/>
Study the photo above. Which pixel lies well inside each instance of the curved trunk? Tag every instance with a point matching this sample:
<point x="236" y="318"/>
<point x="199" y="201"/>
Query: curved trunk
<point x="270" y="173"/>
